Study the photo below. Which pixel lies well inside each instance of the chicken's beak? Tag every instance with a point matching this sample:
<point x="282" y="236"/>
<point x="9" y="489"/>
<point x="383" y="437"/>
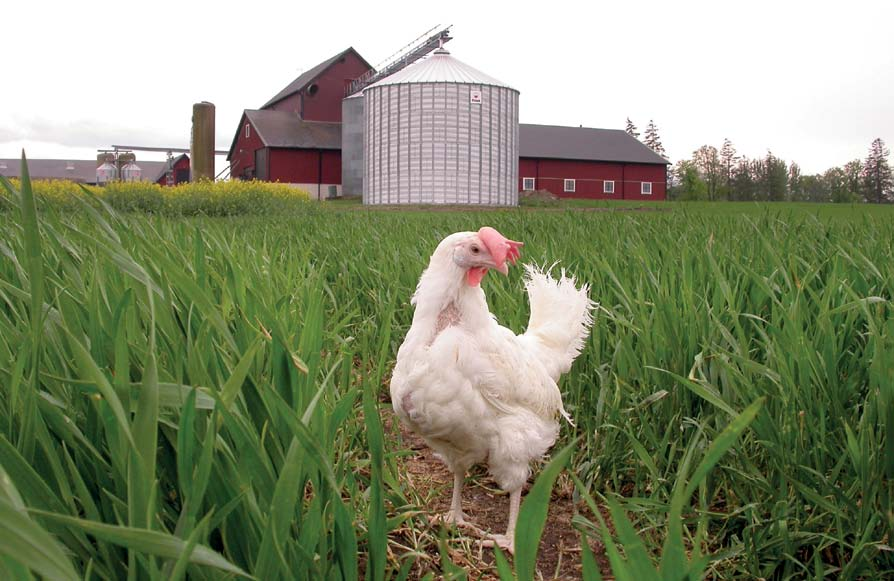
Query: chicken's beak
<point x="502" y="268"/>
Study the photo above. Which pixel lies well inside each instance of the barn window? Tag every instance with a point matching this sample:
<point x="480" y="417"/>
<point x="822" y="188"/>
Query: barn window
<point x="608" y="187"/>
<point x="247" y="130"/>
<point x="646" y="189"/>
<point x="528" y="184"/>
<point x="569" y="185"/>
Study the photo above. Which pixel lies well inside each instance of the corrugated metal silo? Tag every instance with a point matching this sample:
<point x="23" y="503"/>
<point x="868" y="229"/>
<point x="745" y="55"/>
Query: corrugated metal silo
<point x="352" y="124"/>
<point x="440" y="132"/>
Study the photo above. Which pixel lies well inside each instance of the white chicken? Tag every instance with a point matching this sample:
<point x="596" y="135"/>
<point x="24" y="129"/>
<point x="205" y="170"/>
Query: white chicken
<point x="474" y="390"/>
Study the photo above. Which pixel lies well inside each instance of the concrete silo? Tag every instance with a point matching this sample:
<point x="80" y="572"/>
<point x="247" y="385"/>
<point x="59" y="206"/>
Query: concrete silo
<point x="440" y="132"/>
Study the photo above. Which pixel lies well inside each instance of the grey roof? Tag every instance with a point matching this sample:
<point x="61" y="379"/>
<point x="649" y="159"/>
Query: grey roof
<point x="439" y="67"/>
<point x="284" y="129"/>
<point x="583" y="143"/>
<point x="305" y="78"/>
<point x="76" y="170"/>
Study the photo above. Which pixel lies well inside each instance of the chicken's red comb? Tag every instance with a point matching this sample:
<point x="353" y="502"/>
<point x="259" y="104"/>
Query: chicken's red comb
<point x="500" y="247"/>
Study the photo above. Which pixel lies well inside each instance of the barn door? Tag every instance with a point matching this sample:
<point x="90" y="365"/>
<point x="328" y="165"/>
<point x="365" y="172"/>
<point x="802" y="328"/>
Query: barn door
<point x="261" y="164"/>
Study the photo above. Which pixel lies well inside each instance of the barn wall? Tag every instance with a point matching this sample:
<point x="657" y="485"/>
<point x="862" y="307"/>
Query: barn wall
<point x="589" y="176"/>
<point x="243" y="160"/>
<point x="291" y="104"/>
<point x="312" y="169"/>
<point x="325" y="103"/>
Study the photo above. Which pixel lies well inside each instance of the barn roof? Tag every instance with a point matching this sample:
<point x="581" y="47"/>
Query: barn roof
<point x="439" y="67"/>
<point x="284" y="129"/>
<point x="76" y="170"/>
<point x="583" y="143"/>
<point x="308" y="76"/>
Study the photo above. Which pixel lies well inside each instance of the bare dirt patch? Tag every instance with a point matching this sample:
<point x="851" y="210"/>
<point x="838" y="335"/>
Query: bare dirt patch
<point x="488" y="508"/>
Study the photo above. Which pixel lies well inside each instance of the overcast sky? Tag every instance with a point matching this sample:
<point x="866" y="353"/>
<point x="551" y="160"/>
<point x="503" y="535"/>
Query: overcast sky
<point x="811" y="81"/>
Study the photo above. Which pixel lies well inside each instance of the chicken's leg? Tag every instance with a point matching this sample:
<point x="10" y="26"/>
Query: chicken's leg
<point x="455" y="514"/>
<point x="507" y="541"/>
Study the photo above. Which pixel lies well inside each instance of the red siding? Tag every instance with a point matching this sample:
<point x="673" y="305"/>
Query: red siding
<point x="331" y="167"/>
<point x="296" y="166"/>
<point x="305" y="166"/>
<point x="325" y="103"/>
<point x="243" y="160"/>
<point x="179" y="166"/>
<point x="590" y="176"/>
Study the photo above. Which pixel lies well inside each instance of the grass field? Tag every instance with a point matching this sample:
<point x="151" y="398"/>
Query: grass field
<point x="202" y="396"/>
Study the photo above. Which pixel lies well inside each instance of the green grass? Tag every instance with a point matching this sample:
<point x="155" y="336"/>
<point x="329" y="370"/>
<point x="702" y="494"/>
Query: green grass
<point x="199" y="396"/>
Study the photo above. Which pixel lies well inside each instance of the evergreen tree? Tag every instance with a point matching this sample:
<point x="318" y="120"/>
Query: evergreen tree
<point x="795" y="183"/>
<point x="775" y="178"/>
<point x="877" y="173"/>
<point x="631" y="129"/>
<point x="653" y="141"/>
<point x="728" y="158"/>
<point x="743" y="181"/>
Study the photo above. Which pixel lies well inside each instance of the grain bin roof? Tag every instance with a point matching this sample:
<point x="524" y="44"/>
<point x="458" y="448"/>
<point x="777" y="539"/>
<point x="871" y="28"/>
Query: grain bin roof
<point x="583" y="143"/>
<point x="440" y="67"/>
<point x="284" y="129"/>
<point x="308" y="76"/>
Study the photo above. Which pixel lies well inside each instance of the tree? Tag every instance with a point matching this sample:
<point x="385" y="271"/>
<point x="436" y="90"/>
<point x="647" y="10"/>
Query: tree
<point x="631" y="129"/>
<point x="853" y="177"/>
<point x="795" y="183"/>
<point x="877" y="173"/>
<point x="744" y="184"/>
<point x="814" y="188"/>
<point x="690" y="186"/>
<point x="728" y="157"/>
<point x="836" y="181"/>
<point x="707" y="162"/>
<point x="653" y="141"/>
<point x="774" y="178"/>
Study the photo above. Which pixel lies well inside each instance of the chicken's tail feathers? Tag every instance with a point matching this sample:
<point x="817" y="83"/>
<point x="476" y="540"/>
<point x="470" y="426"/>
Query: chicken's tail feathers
<point x="561" y="317"/>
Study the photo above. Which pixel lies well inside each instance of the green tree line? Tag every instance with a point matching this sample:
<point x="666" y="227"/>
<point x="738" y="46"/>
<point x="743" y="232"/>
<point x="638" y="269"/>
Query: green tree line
<point x="723" y="175"/>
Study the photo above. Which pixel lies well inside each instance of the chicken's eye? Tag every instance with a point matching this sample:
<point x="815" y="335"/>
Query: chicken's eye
<point x="475" y="250"/>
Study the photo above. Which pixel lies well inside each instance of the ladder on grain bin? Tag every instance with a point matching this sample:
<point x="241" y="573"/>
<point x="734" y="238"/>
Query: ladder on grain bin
<point x="401" y="59"/>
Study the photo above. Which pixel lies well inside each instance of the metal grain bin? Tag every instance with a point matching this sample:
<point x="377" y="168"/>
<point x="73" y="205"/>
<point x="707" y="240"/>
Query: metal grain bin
<point x="440" y="132"/>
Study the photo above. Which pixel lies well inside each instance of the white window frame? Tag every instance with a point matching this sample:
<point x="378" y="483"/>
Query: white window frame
<point x="642" y="188"/>
<point x="248" y="130"/>
<point x="572" y="183"/>
<point x="608" y="189"/>
<point x="533" y="182"/>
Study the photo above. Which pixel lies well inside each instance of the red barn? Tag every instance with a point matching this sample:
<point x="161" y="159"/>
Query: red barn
<point x="296" y="136"/>
<point x="178" y="174"/>
<point x="580" y="162"/>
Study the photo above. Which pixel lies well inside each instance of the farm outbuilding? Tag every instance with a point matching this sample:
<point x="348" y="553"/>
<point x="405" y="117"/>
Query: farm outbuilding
<point x="440" y="132"/>
<point x="430" y="129"/>
<point x="83" y="171"/>
<point x="279" y="146"/>
<point x="581" y="162"/>
<point x="290" y="138"/>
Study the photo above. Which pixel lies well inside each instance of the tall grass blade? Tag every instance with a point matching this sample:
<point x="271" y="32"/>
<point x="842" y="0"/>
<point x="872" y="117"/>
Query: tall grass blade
<point x="532" y="515"/>
<point x="145" y="541"/>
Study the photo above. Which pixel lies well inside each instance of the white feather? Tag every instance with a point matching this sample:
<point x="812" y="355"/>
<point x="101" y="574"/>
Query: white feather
<point x="473" y="389"/>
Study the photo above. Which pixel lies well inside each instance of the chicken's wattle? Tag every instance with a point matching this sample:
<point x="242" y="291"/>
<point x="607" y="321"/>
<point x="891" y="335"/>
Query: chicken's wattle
<point x="475" y="274"/>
